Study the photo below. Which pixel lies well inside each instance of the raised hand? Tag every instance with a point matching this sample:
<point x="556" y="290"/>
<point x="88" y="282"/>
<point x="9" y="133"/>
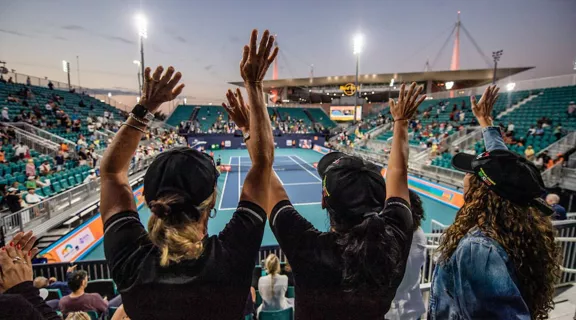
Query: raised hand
<point x="483" y="109"/>
<point x="407" y="104"/>
<point x="159" y="89"/>
<point x="255" y="61"/>
<point x="238" y="110"/>
<point x="16" y="267"/>
<point x="25" y="241"/>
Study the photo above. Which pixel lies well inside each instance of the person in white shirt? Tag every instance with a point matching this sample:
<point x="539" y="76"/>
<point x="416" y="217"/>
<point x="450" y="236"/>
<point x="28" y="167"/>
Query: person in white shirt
<point x="462" y="115"/>
<point x="510" y="127"/>
<point x="91" y="128"/>
<point x="48" y="107"/>
<point x="82" y="141"/>
<point x="45" y="168"/>
<point x="89" y="120"/>
<point x="273" y="287"/>
<point x="5" y="116"/>
<point x="106" y="114"/>
<point x="408" y="303"/>
<point x="21" y="150"/>
<point x="91" y="177"/>
<point x="32" y="197"/>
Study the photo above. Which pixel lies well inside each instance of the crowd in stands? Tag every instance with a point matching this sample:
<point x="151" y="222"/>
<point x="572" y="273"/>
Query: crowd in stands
<point x="498" y="260"/>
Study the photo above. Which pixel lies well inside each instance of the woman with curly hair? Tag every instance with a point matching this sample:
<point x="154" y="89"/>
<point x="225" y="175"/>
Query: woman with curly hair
<point x="498" y="260"/>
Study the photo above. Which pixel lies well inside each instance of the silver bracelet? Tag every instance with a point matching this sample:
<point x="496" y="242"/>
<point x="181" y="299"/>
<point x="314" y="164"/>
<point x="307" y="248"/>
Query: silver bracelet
<point x="141" y="121"/>
<point x="134" y="127"/>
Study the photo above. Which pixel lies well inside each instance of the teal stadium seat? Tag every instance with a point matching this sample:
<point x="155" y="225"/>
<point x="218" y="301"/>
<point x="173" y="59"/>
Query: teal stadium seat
<point x="290" y="292"/>
<point x="93" y="315"/>
<point x="57" y="187"/>
<point x="78" y="178"/>
<point x="286" y="314"/>
<point x="64" y="184"/>
<point x="71" y="181"/>
<point x="47" y="191"/>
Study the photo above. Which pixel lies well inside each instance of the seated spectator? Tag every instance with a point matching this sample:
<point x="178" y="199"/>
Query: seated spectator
<point x="45" y="168"/>
<point x="539" y="163"/>
<point x="30" y="168"/>
<point x="539" y="131"/>
<point x="21" y="150"/>
<point x="557" y="132"/>
<point x="498" y="260"/>
<point x="2" y="80"/>
<point x="559" y="212"/>
<point x="78" y="300"/>
<point x="19" y="298"/>
<point x="10" y="80"/>
<point x="529" y="153"/>
<point x="273" y="286"/>
<point x="83" y="156"/>
<point x="176" y="267"/>
<point x="78" y="316"/>
<point x="571" y="109"/>
<point x="11" y="98"/>
<point x="32" y="197"/>
<point x="5" y="116"/>
<point x="53" y="283"/>
<point x="91" y="176"/>
<point x="531" y="131"/>
<point x="14" y="200"/>
<point x="50" y="85"/>
<point x="408" y="302"/>
<point x="33" y="183"/>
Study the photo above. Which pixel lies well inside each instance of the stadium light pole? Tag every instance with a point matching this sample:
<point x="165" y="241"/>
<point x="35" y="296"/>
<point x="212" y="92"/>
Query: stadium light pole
<point x="137" y="62"/>
<point x="496" y="56"/>
<point x="66" y="68"/>
<point x="143" y="33"/>
<point x="358" y="42"/>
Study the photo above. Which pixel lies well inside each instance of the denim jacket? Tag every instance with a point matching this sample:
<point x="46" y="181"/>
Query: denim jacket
<point x="478" y="281"/>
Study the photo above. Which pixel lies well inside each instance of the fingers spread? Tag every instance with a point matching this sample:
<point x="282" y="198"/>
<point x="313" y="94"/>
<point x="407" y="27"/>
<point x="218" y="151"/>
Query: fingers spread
<point x="157" y="73"/>
<point x="167" y="76"/>
<point x="240" y="98"/>
<point x="422" y="98"/>
<point x="401" y="96"/>
<point x="177" y="91"/>
<point x="174" y="81"/>
<point x="263" y="43"/>
<point x="147" y="73"/>
<point x="410" y="92"/>
<point x="253" y="38"/>
<point x="245" y="52"/>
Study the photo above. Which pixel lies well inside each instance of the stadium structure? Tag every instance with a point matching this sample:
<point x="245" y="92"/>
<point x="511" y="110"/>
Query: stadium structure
<point x="311" y="117"/>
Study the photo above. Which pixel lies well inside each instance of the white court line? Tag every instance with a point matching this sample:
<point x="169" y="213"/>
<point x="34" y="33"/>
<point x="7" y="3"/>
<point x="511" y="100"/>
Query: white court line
<point x="311" y="166"/>
<point x="277" y="176"/>
<point x="224" y="187"/>
<point x="239" y="174"/>
<point x="301" y="166"/>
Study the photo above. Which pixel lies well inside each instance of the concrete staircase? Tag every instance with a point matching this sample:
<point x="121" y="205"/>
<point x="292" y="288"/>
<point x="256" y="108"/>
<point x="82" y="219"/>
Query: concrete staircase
<point x="517" y="105"/>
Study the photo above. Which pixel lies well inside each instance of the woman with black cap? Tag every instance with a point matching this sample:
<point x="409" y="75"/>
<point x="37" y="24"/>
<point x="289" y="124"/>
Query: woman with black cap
<point x="498" y="260"/>
<point x="177" y="271"/>
<point x="352" y="271"/>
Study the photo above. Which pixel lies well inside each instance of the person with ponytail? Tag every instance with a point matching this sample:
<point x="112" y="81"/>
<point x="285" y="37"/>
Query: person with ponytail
<point x="176" y="270"/>
<point x="499" y="259"/>
<point x="273" y="287"/>
<point x="353" y="270"/>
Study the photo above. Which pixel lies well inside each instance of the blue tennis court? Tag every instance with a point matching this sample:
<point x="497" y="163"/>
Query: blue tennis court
<point x="295" y="168"/>
<point x="300" y="180"/>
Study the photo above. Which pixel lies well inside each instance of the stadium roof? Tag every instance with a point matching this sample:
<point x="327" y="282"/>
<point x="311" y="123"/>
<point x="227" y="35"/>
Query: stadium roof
<point x="469" y="78"/>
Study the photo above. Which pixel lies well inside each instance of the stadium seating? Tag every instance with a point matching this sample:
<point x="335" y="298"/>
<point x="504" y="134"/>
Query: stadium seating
<point x="286" y="314"/>
<point x="319" y="116"/>
<point x="294" y="114"/>
<point x="181" y="113"/>
<point x="105" y="287"/>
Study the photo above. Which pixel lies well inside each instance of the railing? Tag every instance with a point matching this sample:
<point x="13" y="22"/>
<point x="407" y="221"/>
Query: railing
<point x="32" y="141"/>
<point x="446" y="176"/>
<point x="29" y="217"/>
<point x="43" y="133"/>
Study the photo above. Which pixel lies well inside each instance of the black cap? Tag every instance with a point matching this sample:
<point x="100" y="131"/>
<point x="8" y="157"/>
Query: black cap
<point x="351" y="186"/>
<point x="183" y="171"/>
<point x="507" y="174"/>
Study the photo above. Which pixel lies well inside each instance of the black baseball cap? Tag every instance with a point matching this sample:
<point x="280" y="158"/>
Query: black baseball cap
<point x="507" y="174"/>
<point x="351" y="186"/>
<point x="183" y="171"/>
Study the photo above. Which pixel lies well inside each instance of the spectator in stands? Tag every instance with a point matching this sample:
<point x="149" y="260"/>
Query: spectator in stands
<point x="19" y="298"/>
<point x="21" y="150"/>
<point x="30" y="168"/>
<point x="176" y="267"/>
<point x="408" y="302"/>
<point x="11" y="98"/>
<point x="273" y="287"/>
<point x="45" y="168"/>
<point x="91" y="176"/>
<point x="50" y="85"/>
<point x="5" y="116"/>
<point x="558" y="131"/>
<point x="32" y="197"/>
<point x="83" y="156"/>
<point x="14" y="200"/>
<point x="498" y="260"/>
<point x="2" y="80"/>
<point x="510" y="128"/>
<point x="28" y="81"/>
<point x="59" y="159"/>
<point x="529" y="153"/>
<point x="531" y="131"/>
<point x="78" y="300"/>
<point x="364" y="254"/>
<point x="539" y="131"/>
<point x="53" y="283"/>
<point x="554" y="201"/>
<point x="10" y="81"/>
<point x="571" y="109"/>
<point x="33" y="183"/>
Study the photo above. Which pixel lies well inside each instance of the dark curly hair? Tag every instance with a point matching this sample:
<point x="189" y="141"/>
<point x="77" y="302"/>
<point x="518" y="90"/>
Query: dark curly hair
<point x="526" y="235"/>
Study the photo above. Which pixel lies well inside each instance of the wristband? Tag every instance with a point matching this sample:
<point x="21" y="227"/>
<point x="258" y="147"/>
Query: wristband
<point x="141" y="121"/>
<point x="133" y="127"/>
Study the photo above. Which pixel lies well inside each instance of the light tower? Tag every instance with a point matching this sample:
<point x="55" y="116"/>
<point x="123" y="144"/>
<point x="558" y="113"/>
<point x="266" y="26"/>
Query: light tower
<point x="142" y="24"/>
<point x="496" y="56"/>
<point x="455" y="65"/>
<point x="358" y="43"/>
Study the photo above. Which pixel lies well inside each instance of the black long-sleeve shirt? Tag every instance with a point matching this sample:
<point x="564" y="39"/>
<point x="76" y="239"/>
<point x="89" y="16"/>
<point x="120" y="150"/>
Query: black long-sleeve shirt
<point x="23" y="301"/>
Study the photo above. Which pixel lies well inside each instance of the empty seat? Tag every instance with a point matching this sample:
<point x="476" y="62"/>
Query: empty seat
<point x="72" y="182"/>
<point x="57" y="187"/>
<point x="53" y="294"/>
<point x="286" y="314"/>
<point x="47" y="191"/>
<point x="78" y="178"/>
<point x="64" y="184"/>
<point x="105" y="287"/>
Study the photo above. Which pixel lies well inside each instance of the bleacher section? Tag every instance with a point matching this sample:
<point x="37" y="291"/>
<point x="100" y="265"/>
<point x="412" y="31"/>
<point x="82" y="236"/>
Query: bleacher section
<point x="319" y="116"/>
<point x="181" y="113"/>
<point x="207" y="115"/>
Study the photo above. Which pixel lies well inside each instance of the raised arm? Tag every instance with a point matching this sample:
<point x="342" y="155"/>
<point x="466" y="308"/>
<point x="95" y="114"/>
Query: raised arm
<point x="115" y="193"/>
<point x="402" y="111"/>
<point x="253" y="119"/>
<point x="483" y="112"/>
